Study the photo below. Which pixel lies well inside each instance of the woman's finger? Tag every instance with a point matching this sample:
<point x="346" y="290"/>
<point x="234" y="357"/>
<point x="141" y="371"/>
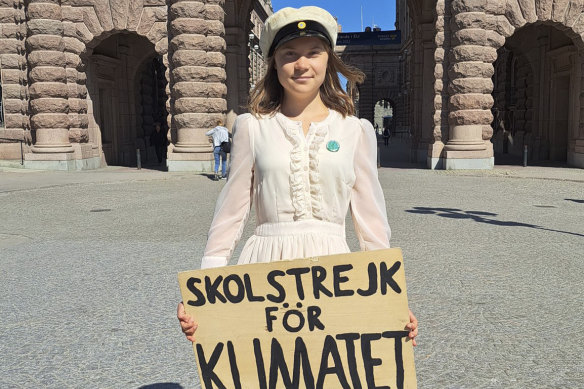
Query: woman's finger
<point x="413" y="327"/>
<point x="186" y="326"/>
<point x="190" y="333"/>
<point x="413" y="320"/>
<point x="180" y="311"/>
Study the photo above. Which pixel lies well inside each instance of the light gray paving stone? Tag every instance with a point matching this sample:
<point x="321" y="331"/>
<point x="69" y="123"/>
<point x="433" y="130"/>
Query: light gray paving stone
<point x="494" y="264"/>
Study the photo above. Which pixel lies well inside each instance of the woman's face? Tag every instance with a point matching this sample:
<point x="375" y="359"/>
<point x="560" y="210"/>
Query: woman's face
<point x="301" y="66"/>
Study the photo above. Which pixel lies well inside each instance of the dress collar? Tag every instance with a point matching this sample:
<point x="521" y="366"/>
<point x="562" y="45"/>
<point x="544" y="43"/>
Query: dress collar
<point x="287" y="122"/>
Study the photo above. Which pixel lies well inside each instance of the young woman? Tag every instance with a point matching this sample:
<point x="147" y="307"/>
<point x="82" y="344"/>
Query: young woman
<point x="299" y="156"/>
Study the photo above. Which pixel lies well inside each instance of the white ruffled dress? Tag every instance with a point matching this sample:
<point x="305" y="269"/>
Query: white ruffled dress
<point x="302" y="190"/>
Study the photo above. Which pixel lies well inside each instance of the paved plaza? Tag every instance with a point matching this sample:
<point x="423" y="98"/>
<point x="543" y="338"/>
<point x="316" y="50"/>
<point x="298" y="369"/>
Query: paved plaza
<point x="88" y="263"/>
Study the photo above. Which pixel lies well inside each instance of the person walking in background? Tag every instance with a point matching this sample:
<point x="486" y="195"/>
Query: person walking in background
<point x="220" y="135"/>
<point x="386" y="136"/>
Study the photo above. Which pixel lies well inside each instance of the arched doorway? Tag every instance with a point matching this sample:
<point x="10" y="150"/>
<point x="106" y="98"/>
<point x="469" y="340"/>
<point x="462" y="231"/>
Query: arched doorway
<point x="126" y="92"/>
<point x="535" y="93"/>
<point x="395" y="142"/>
<point x="383" y="116"/>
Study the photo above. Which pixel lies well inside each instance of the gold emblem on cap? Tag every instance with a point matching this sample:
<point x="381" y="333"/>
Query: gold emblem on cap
<point x="301" y="25"/>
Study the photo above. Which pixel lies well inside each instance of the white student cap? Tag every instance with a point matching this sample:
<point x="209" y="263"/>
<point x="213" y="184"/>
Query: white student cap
<point x="291" y="23"/>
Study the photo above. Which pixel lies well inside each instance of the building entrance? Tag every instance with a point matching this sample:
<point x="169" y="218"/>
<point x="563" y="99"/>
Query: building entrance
<point x="126" y="86"/>
<point x="535" y="93"/>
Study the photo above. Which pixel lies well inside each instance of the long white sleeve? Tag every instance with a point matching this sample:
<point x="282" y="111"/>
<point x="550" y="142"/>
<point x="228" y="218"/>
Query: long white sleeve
<point x="234" y="201"/>
<point x="367" y="200"/>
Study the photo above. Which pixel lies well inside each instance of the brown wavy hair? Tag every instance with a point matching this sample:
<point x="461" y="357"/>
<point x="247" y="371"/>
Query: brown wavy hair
<point x="267" y="95"/>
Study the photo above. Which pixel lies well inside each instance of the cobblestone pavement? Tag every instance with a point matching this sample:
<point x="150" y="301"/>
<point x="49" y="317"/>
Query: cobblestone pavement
<point x="88" y="263"/>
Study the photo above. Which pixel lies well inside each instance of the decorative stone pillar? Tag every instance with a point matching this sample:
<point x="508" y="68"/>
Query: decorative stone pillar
<point x="416" y="84"/>
<point x="15" y="131"/>
<point x="86" y="151"/>
<point x="197" y="80"/>
<point x="472" y="55"/>
<point x="48" y="89"/>
<point x="171" y="135"/>
<point x="238" y="71"/>
<point x="439" y="130"/>
<point x="429" y="71"/>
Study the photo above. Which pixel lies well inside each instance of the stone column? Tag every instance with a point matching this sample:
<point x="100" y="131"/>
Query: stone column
<point x="48" y="89"/>
<point x="85" y="149"/>
<point x="440" y="103"/>
<point x="14" y="81"/>
<point x="428" y="72"/>
<point x="237" y="72"/>
<point x="197" y="80"/>
<point x="171" y="135"/>
<point x="472" y="55"/>
<point x="417" y="83"/>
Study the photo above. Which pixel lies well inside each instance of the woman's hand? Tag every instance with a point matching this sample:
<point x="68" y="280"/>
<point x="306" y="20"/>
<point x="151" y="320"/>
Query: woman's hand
<point x="412" y="326"/>
<point x="187" y="323"/>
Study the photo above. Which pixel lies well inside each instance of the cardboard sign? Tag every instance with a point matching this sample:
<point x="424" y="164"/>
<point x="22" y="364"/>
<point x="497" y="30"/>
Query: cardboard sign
<point x="330" y="322"/>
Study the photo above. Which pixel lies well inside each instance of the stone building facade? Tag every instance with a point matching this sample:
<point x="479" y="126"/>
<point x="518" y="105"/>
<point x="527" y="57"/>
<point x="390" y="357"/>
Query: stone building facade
<point x="491" y="79"/>
<point x="83" y="81"/>
<point x="479" y="81"/>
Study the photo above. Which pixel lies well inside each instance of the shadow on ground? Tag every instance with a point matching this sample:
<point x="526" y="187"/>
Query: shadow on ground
<point x="577" y="201"/>
<point x="164" y="385"/>
<point x="480" y="217"/>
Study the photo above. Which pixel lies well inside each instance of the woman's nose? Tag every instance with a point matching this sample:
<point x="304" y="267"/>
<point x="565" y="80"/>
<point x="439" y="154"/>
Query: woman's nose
<point x="301" y="63"/>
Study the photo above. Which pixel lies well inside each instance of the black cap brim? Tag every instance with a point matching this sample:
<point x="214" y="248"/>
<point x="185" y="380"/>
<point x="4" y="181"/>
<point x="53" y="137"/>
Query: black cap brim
<point x="293" y="30"/>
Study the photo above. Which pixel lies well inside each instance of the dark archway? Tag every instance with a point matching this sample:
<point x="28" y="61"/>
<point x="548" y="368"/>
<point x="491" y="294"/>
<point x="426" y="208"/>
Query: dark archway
<point x="126" y="91"/>
<point x="535" y="89"/>
<point x="151" y="107"/>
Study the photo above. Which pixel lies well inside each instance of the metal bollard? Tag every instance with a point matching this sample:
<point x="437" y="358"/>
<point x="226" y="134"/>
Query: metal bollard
<point x="524" y="155"/>
<point x="138" y="159"/>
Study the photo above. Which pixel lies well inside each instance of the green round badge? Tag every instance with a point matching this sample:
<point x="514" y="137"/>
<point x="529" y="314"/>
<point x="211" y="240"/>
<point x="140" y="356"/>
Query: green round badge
<point x="333" y="146"/>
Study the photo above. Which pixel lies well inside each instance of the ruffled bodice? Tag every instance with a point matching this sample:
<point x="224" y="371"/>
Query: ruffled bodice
<point x="305" y="206"/>
<point x="293" y="178"/>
